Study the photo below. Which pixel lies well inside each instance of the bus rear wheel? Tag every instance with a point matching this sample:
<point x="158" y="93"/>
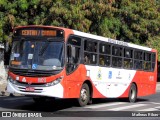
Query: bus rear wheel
<point x="133" y="93"/>
<point x="84" y="95"/>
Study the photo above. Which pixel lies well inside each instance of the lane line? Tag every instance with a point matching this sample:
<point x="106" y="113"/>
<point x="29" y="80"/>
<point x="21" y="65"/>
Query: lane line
<point x="155" y="103"/>
<point x="104" y="105"/>
<point x="148" y="109"/>
<point x="127" y="107"/>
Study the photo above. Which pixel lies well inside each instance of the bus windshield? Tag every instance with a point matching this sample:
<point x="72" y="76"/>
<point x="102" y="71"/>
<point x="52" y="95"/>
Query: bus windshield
<point x="37" y="55"/>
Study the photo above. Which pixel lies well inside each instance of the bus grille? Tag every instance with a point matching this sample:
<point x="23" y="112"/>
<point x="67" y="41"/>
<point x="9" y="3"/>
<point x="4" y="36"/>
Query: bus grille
<point x="24" y="84"/>
<point x="33" y="73"/>
<point x="36" y="90"/>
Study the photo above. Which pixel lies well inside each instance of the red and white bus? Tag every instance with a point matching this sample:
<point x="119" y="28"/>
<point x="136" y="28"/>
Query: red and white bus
<point x="48" y="61"/>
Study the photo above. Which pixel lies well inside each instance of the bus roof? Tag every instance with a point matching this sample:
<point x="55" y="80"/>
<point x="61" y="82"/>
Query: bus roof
<point x="118" y="42"/>
<point x="92" y="36"/>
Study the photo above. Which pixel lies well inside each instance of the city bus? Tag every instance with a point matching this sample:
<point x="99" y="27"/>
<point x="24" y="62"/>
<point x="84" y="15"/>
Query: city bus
<point x="55" y="62"/>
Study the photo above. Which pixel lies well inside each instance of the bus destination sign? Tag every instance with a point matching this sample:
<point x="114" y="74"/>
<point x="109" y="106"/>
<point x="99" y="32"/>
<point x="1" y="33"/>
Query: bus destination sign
<point x="38" y="32"/>
<point x="46" y="32"/>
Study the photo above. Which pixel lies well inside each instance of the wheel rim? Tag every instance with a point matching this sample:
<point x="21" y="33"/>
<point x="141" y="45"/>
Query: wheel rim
<point x="133" y="93"/>
<point x="84" y="95"/>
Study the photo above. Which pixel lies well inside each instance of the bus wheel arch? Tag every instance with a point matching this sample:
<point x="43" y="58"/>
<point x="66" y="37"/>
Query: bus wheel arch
<point x="132" y="97"/>
<point x="85" y="96"/>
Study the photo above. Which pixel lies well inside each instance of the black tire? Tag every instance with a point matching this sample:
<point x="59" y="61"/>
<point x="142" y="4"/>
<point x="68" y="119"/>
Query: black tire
<point x="132" y="93"/>
<point x="84" y="95"/>
<point x="39" y="99"/>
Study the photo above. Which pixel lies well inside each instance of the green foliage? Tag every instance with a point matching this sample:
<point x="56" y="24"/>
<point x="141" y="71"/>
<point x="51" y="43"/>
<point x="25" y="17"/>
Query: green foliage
<point x="141" y="19"/>
<point x="135" y="21"/>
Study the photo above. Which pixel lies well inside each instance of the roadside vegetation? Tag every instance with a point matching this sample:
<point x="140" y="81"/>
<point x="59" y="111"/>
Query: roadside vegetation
<point x="135" y="21"/>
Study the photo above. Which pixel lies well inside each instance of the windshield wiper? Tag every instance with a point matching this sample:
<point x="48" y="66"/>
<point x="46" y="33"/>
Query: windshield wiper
<point x="44" y="47"/>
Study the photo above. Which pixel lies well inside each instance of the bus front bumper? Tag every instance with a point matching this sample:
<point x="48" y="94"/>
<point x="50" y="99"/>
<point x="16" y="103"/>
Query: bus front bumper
<point x="51" y="91"/>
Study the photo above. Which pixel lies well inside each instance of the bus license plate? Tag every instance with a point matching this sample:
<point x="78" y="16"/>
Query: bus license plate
<point x="30" y="89"/>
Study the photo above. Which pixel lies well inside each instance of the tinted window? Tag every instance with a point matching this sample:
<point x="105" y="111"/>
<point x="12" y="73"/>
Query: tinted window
<point x="117" y="51"/>
<point x="104" y="48"/>
<point x="90" y="46"/>
<point x="74" y="41"/>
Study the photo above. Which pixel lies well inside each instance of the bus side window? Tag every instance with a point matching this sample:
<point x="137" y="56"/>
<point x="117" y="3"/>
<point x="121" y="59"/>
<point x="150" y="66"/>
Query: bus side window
<point x="86" y="59"/>
<point x="128" y="62"/>
<point x="147" y="61"/>
<point x="138" y="59"/>
<point x="73" y="53"/>
<point x="104" y="60"/>
<point x="90" y="46"/>
<point x="90" y="58"/>
<point x="93" y="58"/>
<point x="104" y="54"/>
<point x="117" y="56"/>
<point x="90" y="52"/>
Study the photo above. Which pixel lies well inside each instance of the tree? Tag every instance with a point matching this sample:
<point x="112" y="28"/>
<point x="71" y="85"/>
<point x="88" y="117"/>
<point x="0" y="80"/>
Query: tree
<point x="139" y="20"/>
<point x="135" y="21"/>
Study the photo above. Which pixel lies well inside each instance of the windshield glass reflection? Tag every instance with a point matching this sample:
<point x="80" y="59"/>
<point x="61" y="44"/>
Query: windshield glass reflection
<point x="37" y="55"/>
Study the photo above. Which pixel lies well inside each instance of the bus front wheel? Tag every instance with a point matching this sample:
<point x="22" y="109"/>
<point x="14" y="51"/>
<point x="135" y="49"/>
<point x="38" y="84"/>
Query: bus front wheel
<point x="84" y="95"/>
<point x="133" y="93"/>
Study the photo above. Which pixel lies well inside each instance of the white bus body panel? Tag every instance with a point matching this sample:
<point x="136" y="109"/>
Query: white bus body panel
<point x="110" y="82"/>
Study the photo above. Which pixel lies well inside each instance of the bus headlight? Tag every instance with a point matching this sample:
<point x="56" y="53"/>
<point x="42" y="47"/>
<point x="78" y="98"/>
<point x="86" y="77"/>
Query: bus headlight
<point x="55" y="82"/>
<point x="11" y="80"/>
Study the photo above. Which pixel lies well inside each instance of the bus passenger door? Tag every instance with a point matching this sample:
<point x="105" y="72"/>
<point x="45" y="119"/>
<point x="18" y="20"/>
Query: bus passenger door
<point x="72" y="58"/>
<point x="72" y="66"/>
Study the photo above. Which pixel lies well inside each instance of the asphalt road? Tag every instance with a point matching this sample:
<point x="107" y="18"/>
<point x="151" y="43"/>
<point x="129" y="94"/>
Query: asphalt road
<point x="100" y="109"/>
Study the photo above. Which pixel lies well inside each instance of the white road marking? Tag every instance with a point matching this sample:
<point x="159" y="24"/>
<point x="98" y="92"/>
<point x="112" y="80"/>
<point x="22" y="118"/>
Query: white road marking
<point x="104" y="105"/>
<point x="127" y="107"/>
<point x="154" y="103"/>
<point x="148" y="109"/>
